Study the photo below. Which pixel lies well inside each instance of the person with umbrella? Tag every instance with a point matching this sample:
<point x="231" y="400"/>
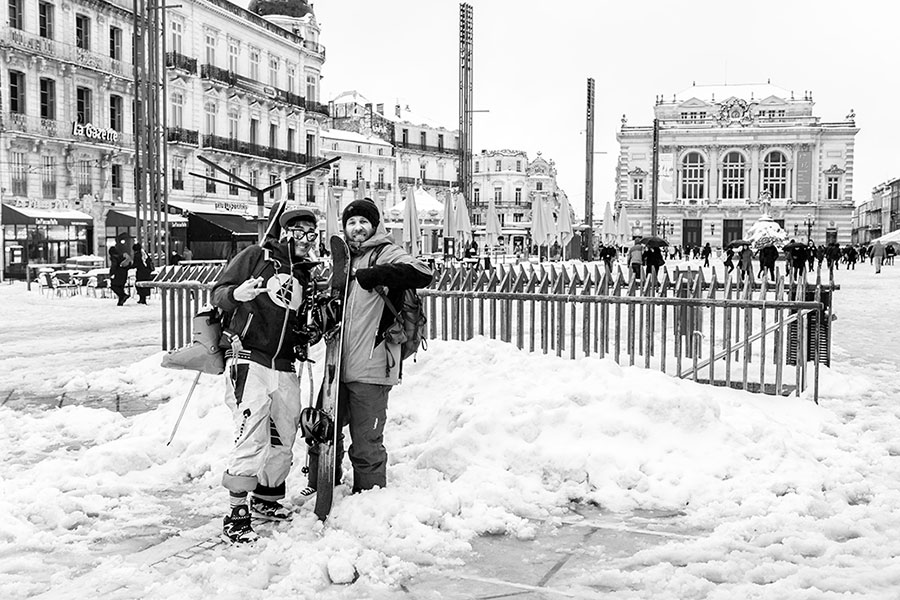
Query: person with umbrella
<point x="745" y="261"/>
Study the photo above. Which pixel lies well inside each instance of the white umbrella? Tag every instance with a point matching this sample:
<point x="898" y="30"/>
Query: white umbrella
<point x="332" y="214"/>
<point x="463" y="224"/>
<point x="360" y="191"/>
<point x="564" y="225"/>
<point x="449" y="216"/>
<point x="411" y="232"/>
<point x="539" y="230"/>
<point x="552" y="230"/>
<point x="609" y="225"/>
<point x="623" y="226"/>
<point x="492" y="230"/>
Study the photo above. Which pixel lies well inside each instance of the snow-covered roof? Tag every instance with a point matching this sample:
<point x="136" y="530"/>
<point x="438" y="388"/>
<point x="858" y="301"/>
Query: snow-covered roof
<point x="352" y="136"/>
<point x="718" y="93"/>
<point x="350" y="96"/>
<point x="425" y="203"/>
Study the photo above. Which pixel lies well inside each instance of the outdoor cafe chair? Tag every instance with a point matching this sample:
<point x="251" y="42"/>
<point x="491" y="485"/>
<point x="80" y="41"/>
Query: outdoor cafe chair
<point x="100" y="281"/>
<point x="63" y="281"/>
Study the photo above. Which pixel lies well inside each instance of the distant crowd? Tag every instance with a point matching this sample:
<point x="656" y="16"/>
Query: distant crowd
<point x="799" y="257"/>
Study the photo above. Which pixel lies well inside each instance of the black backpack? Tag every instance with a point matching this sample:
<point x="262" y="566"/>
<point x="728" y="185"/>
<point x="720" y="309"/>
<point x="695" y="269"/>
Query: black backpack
<point x="408" y="328"/>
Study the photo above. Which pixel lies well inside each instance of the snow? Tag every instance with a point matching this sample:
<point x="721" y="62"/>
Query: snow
<point x="788" y="499"/>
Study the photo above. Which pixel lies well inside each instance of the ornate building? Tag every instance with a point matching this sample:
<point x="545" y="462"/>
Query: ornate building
<point x="514" y="182"/>
<point x="723" y="149"/>
<point x="880" y="215"/>
<point x="426" y="154"/>
<point x="242" y="91"/>
<point x="66" y="151"/>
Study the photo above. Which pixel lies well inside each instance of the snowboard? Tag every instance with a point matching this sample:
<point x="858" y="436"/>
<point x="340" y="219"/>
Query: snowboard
<point x="340" y="279"/>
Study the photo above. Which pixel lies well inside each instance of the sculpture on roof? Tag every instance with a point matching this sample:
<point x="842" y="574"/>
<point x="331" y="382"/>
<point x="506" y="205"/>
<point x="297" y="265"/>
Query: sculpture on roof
<point x="735" y="111"/>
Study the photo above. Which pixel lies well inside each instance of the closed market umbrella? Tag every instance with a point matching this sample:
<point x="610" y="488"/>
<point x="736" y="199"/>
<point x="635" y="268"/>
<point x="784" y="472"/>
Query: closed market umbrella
<point x="492" y="224"/>
<point x="552" y="229"/>
<point x="463" y="224"/>
<point x="539" y="230"/>
<point x="623" y="226"/>
<point x="564" y="225"/>
<point x="449" y="217"/>
<point x="609" y="225"/>
<point x="332" y="214"/>
<point x="411" y="232"/>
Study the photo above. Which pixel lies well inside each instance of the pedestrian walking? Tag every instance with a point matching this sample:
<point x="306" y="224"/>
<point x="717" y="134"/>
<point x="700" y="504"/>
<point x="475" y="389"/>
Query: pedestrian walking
<point x="370" y="365"/>
<point x="143" y="266"/>
<point x="707" y="251"/>
<point x="768" y="255"/>
<point x="636" y="260"/>
<point x="119" y="262"/>
<point x="729" y="260"/>
<point x="262" y="290"/>
<point x="877" y="254"/>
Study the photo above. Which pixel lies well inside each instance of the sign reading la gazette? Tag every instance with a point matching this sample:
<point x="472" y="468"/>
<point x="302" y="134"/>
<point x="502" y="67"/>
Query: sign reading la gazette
<point x="92" y="132"/>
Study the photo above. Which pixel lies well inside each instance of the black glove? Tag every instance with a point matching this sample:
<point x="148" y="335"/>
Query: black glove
<point x="367" y="278"/>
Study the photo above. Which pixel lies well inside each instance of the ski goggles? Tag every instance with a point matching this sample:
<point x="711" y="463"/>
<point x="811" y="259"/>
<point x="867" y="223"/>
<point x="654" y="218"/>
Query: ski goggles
<point x="300" y="234"/>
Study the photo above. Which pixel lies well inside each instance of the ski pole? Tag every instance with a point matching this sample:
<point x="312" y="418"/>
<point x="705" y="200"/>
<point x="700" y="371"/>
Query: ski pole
<point x="184" y="407"/>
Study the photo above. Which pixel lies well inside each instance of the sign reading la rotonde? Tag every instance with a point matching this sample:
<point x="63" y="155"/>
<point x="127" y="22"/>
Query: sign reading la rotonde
<point x="92" y="132"/>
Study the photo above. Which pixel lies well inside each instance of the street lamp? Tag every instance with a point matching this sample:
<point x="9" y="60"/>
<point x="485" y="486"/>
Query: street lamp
<point x="667" y="226"/>
<point x="808" y="222"/>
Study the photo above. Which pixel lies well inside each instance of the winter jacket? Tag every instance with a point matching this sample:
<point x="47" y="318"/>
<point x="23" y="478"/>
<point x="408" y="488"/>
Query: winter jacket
<point x="266" y="325"/>
<point x="143" y="268"/>
<point x="365" y="356"/>
<point x="636" y="255"/>
<point x="118" y="269"/>
<point x="768" y="255"/>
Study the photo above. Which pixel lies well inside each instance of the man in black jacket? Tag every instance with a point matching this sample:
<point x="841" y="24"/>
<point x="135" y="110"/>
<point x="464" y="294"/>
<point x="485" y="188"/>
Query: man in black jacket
<point x="262" y="289"/>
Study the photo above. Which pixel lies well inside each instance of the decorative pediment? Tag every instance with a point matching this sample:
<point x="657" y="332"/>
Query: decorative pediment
<point x="834" y="170"/>
<point x="637" y="172"/>
<point x="772" y="101"/>
<point x="693" y="103"/>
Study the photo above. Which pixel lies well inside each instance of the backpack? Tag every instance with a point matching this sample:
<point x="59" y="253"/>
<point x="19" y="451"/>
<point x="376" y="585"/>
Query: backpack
<point x="408" y="328"/>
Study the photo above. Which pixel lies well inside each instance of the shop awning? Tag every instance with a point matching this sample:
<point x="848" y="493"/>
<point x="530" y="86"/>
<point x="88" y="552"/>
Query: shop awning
<point x="220" y="227"/>
<point x="125" y="218"/>
<point x="14" y="215"/>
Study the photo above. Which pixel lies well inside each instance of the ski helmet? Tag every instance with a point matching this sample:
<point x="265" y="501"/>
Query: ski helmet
<point x="316" y="426"/>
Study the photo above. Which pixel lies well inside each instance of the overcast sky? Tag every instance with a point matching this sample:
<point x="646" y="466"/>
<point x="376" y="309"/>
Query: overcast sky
<point x="532" y="60"/>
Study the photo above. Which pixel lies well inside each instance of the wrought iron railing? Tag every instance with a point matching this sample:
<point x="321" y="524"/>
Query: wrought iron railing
<point x="242" y="147"/>
<point x="182" y="135"/>
<point x="181" y="62"/>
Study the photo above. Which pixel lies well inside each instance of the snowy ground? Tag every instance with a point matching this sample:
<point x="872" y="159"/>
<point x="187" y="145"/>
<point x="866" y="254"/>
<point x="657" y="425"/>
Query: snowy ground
<point x="791" y="499"/>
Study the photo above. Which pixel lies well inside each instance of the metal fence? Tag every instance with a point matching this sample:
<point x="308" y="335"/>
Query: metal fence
<point x="758" y="336"/>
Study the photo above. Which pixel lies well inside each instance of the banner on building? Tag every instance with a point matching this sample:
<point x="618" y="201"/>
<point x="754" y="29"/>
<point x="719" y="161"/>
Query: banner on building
<point x="804" y="176"/>
<point x="666" y="177"/>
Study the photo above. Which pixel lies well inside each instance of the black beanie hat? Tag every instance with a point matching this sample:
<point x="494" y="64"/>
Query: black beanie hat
<point x="361" y="208"/>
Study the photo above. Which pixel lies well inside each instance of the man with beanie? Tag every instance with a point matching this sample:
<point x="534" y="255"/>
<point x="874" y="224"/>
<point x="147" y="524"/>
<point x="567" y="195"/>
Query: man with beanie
<point x="370" y="365"/>
<point x="262" y="289"/>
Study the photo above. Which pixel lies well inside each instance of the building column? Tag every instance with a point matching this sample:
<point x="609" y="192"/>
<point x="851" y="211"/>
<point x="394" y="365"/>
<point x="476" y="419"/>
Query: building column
<point x="713" y="193"/>
<point x="754" y="172"/>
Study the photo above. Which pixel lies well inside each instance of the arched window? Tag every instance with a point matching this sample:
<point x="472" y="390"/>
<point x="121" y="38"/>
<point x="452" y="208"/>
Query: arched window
<point x="775" y="174"/>
<point x="692" y="176"/>
<point x="733" y="176"/>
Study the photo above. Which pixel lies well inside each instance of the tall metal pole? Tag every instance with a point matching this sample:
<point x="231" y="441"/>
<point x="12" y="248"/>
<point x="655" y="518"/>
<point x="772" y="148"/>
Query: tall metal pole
<point x="138" y="35"/>
<point x="466" y="51"/>
<point x="654" y="184"/>
<point x="589" y="173"/>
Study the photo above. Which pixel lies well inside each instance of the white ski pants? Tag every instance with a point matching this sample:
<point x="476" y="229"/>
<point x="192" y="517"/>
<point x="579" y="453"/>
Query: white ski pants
<point x="265" y="405"/>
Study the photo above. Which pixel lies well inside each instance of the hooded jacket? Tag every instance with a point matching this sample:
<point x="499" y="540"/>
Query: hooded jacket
<point x="266" y="325"/>
<point x="365" y="356"/>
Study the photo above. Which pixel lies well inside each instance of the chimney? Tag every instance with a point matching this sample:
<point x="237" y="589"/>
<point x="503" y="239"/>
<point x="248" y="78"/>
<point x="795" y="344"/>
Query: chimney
<point x="379" y="108"/>
<point x="397" y="109"/>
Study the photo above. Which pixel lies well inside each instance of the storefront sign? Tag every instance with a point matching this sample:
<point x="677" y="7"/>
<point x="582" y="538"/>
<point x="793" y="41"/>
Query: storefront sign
<point x="41" y="203"/>
<point x="231" y="206"/>
<point x="93" y="132"/>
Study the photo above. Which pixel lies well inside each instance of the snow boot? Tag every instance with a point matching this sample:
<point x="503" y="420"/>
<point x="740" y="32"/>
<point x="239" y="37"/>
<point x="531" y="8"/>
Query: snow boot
<point x="269" y="509"/>
<point x="236" y="527"/>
